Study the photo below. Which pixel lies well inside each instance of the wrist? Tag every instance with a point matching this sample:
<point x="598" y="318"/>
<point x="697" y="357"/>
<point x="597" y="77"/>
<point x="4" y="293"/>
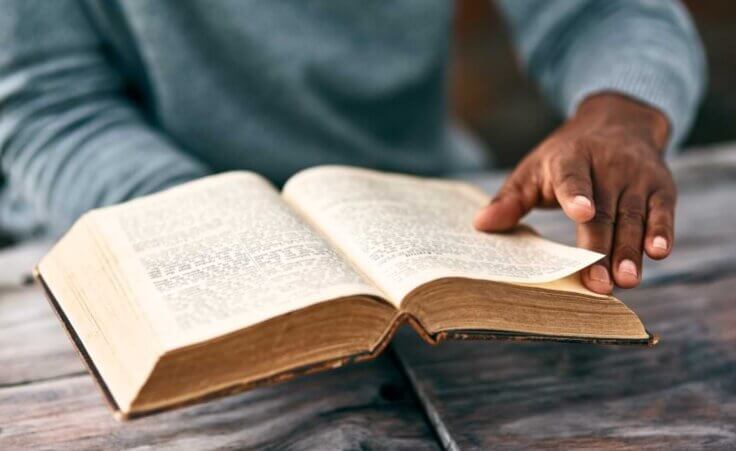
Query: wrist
<point x="634" y="117"/>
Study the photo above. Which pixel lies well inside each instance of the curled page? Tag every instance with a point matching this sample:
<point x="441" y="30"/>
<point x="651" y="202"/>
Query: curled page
<point x="404" y="231"/>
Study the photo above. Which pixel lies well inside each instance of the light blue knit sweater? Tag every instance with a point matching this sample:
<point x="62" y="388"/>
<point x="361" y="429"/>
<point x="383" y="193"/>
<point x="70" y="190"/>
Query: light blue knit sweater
<point x="104" y="100"/>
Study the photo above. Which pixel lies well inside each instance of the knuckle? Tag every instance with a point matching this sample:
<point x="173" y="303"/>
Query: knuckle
<point x="661" y="219"/>
<point x="660" y="225"/>
<point x="511" y="193"/>
<point x="511" y="188"/>
<point x="605" y="195"/>
<point x="631" y="210"/>
<point x="604" y="217"/>
<point x="632" y="217"/>
<point x="663" y="199"/>
<point x="626" y="250"/>
<point x="632" y="201"/>
<point x="573" y="181"/>
<point x="585" y="144"/>
<point x="597" y="242"/>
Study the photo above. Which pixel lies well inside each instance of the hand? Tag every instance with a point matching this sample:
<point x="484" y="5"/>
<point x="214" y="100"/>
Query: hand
<point x="604" y="168"/>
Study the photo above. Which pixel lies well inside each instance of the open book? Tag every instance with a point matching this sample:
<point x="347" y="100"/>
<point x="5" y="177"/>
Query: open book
<point x="223" y="284"/>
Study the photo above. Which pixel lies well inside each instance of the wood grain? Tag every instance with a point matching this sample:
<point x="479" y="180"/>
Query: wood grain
<point x="679" y="395"/>
<point x="17" y="262"/>
<point x="33" y="345"/>
<point x="47" y="400"/>
<point x="358" y="407"/>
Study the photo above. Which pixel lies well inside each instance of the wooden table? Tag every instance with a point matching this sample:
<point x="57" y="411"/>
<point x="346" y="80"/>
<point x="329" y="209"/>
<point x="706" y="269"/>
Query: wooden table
<point x="678" y="395"/>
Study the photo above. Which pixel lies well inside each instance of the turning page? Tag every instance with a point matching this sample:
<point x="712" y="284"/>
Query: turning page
<point x="404" y="231"/>
<point x="220" y="254"/>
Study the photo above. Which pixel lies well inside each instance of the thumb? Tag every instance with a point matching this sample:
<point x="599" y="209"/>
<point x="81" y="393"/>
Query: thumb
<point x="514" y="200"/>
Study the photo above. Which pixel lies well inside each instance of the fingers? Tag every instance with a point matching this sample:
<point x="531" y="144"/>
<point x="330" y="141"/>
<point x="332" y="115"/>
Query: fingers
<point x="637" y="224"/>
<point x="597" y="235"/>
<point x="628" y="238"/>
<point x="622" y="200"/>
<point x="573" y="188"/>
<point x="660" y="230"/>
<point x="518" y="195"/>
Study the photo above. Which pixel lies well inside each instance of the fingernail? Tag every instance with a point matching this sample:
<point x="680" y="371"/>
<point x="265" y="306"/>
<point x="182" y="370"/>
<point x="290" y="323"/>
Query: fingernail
<point x="582" y="201"/>
<point x="659" y="242"/>
<point x="627" y="267"/>
<point x="599" y="273"/>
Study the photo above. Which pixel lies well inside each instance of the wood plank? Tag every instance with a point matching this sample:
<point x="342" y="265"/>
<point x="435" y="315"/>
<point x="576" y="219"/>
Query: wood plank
<point x="680" y="394"/>
<point x="33" y="345"/>
<point x="347" y="407"/>
<point x="363" y="406"/>
<point x="17" y="262"/>
<point x="706" y="212"/>
<point x="47" y="400"/>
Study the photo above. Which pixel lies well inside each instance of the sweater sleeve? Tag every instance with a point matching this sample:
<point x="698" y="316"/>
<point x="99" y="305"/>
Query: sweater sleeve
<point x="70" y="140"/>
<point x="646" y="49"/>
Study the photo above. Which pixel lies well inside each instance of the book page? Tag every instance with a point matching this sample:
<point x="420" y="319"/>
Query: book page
<point x="404" y="231"/>
<point x="220" y="254"/>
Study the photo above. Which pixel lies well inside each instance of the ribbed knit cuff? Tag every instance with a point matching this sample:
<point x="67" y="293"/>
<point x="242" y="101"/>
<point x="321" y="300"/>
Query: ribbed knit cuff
<point x="651" y="86"/>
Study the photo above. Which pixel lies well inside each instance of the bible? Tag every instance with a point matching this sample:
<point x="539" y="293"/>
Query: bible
<point x="224" y="283"/>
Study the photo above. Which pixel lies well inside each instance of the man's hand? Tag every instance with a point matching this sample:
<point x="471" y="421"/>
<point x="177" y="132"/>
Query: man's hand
<point x="604" y="168"/>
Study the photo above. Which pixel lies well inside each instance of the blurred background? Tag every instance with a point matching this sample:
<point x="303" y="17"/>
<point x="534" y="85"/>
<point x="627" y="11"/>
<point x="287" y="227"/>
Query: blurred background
<point x="493" y="98"/>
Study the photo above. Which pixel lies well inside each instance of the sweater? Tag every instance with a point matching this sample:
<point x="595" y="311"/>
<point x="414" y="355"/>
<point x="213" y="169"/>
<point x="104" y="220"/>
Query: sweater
<point x="105" y="100"/>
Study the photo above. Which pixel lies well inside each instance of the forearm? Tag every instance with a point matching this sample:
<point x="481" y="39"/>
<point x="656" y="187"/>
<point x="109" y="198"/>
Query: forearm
<point x="69" y="138"/>
<point x="648" y="51"/>
<point x="74" y="161"/>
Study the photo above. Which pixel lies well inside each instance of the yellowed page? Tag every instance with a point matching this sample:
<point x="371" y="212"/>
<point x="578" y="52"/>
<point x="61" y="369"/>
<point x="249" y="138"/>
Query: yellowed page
<point x="404" y="231"/>
<point x="78" y="276"/>
<point x="571" y="284"/>
<point x="220" y="254"/>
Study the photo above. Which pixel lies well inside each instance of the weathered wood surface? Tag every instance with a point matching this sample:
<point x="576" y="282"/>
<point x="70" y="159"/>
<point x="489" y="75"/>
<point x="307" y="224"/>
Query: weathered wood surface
<point x="33" y="346"/>
<point x="366" y="406"/>
<point x="678" y="395"/>
<point x="47" y="400"/>
<point x="681" y="394"/>
<point x="16" y="263"/>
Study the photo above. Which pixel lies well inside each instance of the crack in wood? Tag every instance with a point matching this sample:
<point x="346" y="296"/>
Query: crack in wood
<point x="431" y="415"/>
<point x="40" y="380"/>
